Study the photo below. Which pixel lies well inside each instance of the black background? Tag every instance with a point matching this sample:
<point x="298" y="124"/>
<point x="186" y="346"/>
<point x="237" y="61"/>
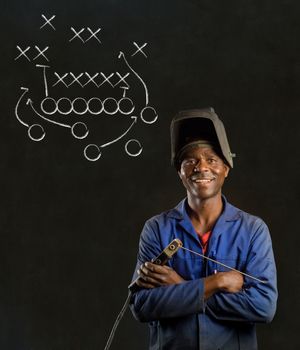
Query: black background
<point x="70" y="227"/>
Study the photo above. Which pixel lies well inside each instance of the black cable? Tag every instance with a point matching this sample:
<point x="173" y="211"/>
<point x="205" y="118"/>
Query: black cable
<point x="117" y="321"/>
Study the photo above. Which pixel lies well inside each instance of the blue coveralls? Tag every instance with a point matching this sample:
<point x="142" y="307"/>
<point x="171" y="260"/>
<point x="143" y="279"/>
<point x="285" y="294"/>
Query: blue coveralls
<point x="178" y="316"/>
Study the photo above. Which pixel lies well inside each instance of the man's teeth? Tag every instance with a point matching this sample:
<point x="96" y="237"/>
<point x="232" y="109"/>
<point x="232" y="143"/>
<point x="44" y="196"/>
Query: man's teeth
<point x="203" y="180"/>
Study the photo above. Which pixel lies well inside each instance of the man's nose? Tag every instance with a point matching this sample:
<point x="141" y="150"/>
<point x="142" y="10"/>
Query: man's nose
<point x="200" y="166"/>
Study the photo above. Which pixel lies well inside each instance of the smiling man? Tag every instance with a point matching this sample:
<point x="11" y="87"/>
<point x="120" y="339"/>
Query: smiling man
<point x="194" y="303"/>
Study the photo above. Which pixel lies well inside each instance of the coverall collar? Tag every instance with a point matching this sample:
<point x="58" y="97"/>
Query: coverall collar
<point x="230" y="213"/>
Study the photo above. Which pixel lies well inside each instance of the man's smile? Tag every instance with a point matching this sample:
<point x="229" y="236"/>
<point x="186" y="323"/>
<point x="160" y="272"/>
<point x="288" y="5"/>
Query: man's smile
<point x="202" y="179"/>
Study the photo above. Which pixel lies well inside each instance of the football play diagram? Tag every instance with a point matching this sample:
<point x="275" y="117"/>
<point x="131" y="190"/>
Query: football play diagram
<point x="60" y="111"/>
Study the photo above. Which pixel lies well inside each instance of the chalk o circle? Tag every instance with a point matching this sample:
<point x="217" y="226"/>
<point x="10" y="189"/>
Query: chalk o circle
<point x="36" y="128"/>
<point x="126" y="105"/>
<point x="95" y="101"/>
<point x="77" y="101"/>
<point x="47" y="101"/>
<point x="61" y="109"/>
<point x="78" y="126"/>
<point x="92" y="148"/>
<point x="148" y="109"/>
<point x="132" y="154"/>
<point x="108" y="108"/>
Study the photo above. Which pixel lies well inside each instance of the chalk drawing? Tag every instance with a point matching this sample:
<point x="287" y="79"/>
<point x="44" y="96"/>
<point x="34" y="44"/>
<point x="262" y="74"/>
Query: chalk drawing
<point x="23" y="53"/>
<point x="121" y="55"/>
<point x="90" y="149"/>
<point x="29" y="102"/>
<point x="41" y="53"/>
<point x="48" y="21"/>
<point x="139" y="49"/>
<point x="77" y="34"/>
<point x="76" y="133"/>
<point x="61" y="110"/>
<point x="97" y="148"/>
<point x="76" y="79"/>
<point x="148" y="110"/>
<point x="30" y="129"/>
<point x="130" y="142"/>
<point x="36" y="128"/>
<point x="93" y="34"/>
<point x="44" y="76"/>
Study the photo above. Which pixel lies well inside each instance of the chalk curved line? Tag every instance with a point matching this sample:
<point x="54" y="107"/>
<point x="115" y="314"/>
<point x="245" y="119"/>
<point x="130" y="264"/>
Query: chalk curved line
<point x="149" y="121"/>
<point x="89" y="158"/>
<point x="119" y="138"/>
<point x="63" y="112"/>
<point x="86" y="106"/>
<point x="121" y="54"/>
<point x="39" y="138"/>
<point x="89" y="109"/>
<point x="132" y="105"/>
<point x="29" y="101"/>
<point x="25" y="90"/>
<point x="84" y="135"/>
<point x="42" y="106"/>
<point x="133" y="154"/>
<point x="110" y="99"/>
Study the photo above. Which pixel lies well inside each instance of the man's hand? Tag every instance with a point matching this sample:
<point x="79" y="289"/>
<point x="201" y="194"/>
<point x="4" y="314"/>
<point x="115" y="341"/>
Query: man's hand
<point x="229" y="282"/>
<point x="152" y="275"/>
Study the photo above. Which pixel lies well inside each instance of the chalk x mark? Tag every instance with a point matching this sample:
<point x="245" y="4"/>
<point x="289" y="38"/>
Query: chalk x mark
<point x="23" y="53"/>
<point x="41" y="53"/>
<point x="91" y="79"/>
<point x="139" y="49"/>
<point x="93" y="34"/>
<point x="76" y="79"/>
<point x="48" y="21"/>
<point x="121" y="54"/>
<point x="77" y="34"/>
<point x="60" y="79"/>
<point x="122" y="79"/>
<point x="107" y="79"/>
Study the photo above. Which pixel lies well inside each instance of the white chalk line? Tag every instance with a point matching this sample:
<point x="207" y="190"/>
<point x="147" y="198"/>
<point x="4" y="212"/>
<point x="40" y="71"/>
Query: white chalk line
<point x="25" y="90"/>
<point x="121" y="54"/>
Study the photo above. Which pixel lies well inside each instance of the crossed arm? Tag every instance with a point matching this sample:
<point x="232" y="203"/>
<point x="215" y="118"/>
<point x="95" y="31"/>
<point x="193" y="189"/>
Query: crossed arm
<point x="225" y="295"/>
<point x="152" y="276"/>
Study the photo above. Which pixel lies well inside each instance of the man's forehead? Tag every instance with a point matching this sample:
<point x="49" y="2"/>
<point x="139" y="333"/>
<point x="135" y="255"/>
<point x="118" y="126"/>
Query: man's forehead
<point x="199" y="150"/>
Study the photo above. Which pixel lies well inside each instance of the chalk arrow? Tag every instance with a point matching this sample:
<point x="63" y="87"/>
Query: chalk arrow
<point x="30" y="102"/>
<point x="25" y="90"/>
<point x="121" y="55"/>
<point x="119" y="138"/>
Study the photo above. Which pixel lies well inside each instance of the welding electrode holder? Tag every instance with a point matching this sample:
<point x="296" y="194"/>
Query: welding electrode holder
<point x="161" y="259"/>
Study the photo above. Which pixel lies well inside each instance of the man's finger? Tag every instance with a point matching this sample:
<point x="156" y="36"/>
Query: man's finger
<point x="141" y="283"/>
<point x="152" y="277"/>
<point x="156" y="268"/>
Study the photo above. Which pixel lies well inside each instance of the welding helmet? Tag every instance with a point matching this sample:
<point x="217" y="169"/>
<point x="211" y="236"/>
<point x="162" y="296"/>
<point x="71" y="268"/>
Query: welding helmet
<point x="196" y="127"/>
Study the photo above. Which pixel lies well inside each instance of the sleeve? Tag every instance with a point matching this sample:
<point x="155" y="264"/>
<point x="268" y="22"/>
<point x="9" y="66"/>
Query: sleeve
<point x="257" y="301"/>
<point x="167" y="301"/>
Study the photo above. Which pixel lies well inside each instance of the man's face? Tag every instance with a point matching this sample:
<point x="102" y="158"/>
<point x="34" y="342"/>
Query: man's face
<point x="202" y="172"/>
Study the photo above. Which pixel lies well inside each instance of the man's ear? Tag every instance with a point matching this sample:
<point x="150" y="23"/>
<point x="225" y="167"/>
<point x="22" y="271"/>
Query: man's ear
<point x="179" y="174"/>
<point x="226" y="170"/>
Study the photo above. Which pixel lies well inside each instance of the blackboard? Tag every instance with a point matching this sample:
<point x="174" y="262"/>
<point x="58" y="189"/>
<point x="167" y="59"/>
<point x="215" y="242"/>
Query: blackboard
<point x="116" y="73"/>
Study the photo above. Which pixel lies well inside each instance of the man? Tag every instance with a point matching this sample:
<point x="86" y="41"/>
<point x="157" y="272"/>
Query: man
<point x="196" y="303"/>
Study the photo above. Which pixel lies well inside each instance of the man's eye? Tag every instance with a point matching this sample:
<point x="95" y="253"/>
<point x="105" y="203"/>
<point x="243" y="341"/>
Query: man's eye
<point x="189" y="162"/>
<point x="212" y="160"/>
